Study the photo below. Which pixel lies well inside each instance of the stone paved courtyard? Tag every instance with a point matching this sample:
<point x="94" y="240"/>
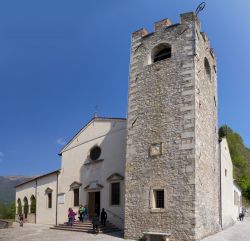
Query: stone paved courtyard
<point x="239" y="232"/>
<point x="31" y="232"/>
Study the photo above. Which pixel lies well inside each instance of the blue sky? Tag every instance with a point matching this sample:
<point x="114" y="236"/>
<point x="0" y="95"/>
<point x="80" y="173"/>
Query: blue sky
<point x="60" y="59"/>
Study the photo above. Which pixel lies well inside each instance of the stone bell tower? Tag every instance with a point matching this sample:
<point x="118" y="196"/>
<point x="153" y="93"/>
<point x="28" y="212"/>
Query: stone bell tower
<point x="172" y="166"/>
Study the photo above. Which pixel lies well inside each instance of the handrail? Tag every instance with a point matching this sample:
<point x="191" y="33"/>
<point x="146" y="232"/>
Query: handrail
<point x="115" y="215"/>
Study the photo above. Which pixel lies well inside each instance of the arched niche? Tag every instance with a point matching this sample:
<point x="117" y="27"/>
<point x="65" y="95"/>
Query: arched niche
<point x="160" y="52"/>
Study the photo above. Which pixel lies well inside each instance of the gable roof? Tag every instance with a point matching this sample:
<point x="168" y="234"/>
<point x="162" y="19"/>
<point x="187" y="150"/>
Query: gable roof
<point x="85" y="126"/>
<point x="35" y="178"/>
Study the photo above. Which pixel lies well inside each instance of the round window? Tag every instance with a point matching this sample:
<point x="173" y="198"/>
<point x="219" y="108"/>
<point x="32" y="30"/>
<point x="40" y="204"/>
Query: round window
<point x="95" y="153"/>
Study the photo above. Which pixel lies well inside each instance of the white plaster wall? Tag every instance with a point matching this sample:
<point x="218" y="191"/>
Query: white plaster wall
<point x="46" y="215"/>
<point x="237" y="208"/>
<point x="25" y="190"/>
<point x="227" y="191"/>
<point x="110" y="135"/>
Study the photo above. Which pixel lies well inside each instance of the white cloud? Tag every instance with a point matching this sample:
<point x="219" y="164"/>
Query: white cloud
<point x="60" y="141"/>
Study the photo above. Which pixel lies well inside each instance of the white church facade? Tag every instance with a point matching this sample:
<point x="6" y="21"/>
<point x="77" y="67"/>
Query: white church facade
<point x="168" y="147"/>
<point x="92" y="173"/>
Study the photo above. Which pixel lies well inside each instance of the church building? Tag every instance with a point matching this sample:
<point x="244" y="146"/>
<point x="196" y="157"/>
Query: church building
<point x="164" y="168"/>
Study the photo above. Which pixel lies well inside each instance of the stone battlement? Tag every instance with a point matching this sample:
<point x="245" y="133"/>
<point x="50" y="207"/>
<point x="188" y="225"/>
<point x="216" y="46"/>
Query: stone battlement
<point x="166" y="22"/>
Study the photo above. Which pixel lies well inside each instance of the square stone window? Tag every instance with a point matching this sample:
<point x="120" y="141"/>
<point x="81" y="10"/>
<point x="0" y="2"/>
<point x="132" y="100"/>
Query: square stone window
<point x="158" y="199"/>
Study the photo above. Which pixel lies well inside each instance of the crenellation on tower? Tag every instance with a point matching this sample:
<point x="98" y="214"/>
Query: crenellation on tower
<point x="139" y="33"/>
<point x="162" y="23"/>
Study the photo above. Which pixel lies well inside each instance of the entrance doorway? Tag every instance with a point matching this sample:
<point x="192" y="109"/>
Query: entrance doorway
<point x="94" y="203"/>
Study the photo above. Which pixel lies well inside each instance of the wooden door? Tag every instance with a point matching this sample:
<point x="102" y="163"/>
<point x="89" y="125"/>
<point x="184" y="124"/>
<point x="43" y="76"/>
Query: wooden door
<point x="91" y="204"/>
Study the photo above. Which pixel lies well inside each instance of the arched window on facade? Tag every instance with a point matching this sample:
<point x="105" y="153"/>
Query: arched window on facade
<point x="25" y="207"/>
<point x="49" y="191"/>
<point x="207" y="68"/>
<point x="32" y="204"/>
<point x="161" y="52"/>
<point x="19" y="206"/>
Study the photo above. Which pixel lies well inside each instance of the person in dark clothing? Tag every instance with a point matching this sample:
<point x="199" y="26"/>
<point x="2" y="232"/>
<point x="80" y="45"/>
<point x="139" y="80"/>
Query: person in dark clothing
<point x="242" y="216"/>
<point x="97" y="210"/>
<point x="95" y="223"/>
<point x="103" y="217"/>
<point x="21" y="220"/>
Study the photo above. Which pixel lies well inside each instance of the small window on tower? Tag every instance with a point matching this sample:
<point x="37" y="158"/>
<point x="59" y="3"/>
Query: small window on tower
<point x="161" y="52"/>
<point x="207" y="68"/>
<point x="159" y="198"/>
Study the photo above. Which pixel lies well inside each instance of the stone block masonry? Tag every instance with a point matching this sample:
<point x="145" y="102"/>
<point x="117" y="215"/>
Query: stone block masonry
<point x="171" y="106"/>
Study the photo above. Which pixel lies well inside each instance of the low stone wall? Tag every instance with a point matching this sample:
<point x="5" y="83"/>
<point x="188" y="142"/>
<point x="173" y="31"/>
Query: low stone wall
<point x="30" y="218"/>
<point x="5" y="224"/>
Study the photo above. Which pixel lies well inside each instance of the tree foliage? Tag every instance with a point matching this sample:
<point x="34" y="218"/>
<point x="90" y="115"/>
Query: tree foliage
<point x="33" y="205"/>
<point x="7" y="211"/>
<point x="25" y="206"/>
<point x="19" y="206"/>
<point x="240" y="157"/>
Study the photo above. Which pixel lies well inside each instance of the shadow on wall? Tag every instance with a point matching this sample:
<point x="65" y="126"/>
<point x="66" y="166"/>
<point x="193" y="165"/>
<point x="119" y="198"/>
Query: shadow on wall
<point x="98" y="166"/>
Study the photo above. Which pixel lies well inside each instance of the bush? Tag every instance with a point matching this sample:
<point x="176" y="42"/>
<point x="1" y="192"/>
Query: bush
<point x="7" y="212"/>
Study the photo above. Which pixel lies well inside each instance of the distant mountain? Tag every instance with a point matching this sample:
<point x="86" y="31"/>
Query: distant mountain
<point x="7" y="187"/>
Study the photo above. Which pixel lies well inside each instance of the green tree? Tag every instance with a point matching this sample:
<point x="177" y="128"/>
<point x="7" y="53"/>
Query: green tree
<point x="19" y="206"/>
<point x="7" y="212"/>
<point x="25" y="206"/>
<point x="33" y="204"/>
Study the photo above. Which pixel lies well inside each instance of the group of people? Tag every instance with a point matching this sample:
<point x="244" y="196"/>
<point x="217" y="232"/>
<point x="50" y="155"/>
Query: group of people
<point x="82" y="212"/>
<point x="83" y="216"/>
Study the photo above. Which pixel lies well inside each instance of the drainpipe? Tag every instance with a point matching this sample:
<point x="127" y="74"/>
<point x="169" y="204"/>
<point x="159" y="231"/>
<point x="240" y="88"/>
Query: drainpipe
<point x="56" y="195"/>
<point x="36" y="200"/>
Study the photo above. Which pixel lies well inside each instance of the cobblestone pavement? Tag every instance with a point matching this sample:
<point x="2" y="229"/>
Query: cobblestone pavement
<point x="31" y="232"/>
<point x="239" y="232"/>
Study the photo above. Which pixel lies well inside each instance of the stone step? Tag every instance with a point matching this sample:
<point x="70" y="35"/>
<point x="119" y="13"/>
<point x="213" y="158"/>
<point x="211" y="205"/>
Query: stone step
<point x="67" y="228"/>
<point x="87" y="227"/>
